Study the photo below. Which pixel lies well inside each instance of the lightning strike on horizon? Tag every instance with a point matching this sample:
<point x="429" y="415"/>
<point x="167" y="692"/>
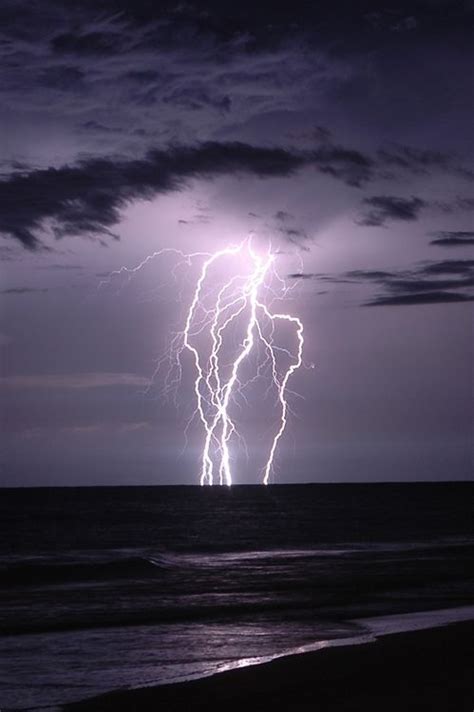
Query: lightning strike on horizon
<point x="217" y="383"/>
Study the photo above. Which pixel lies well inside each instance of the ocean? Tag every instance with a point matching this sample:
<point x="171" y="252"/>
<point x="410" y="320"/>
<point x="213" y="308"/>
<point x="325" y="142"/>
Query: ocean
<point x="112" y="587"/>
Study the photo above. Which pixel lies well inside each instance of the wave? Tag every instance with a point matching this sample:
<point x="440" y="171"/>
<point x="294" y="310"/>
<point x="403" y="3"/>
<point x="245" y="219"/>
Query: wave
<point x="217" y="559"/>
<point x="35" y="574"/>
<point x="39" y="571"/>
<point x="109" y="565"/>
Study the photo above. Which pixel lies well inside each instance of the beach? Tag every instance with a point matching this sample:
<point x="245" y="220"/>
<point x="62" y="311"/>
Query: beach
<point x="165" y="591"/>
<point x="422" y="670"/>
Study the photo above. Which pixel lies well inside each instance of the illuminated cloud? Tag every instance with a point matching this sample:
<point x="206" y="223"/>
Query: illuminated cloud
<point x="289" y="121"/>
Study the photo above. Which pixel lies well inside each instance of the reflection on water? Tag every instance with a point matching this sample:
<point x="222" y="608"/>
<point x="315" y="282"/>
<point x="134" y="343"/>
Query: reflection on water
<point x="122" y="587"/>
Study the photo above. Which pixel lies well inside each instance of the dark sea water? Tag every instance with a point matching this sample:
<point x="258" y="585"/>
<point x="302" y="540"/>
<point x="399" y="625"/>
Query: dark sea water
<point x="120" y="587"/>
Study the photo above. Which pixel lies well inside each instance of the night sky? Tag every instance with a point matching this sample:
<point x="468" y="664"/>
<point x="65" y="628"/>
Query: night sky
<point x="340" y="131"/>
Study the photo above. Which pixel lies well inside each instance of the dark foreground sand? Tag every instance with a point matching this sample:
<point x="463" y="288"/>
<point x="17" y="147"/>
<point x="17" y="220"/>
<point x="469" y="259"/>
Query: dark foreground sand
<point x="426" y="670"/>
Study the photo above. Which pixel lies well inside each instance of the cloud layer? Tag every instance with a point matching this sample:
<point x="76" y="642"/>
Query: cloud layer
<point x="447" y="238"/>
<point x="434" y="282"/>
<point x="383" y="208"/>
<point x="86" y="198"/>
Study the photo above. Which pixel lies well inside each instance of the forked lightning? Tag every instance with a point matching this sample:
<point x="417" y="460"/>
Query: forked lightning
<point x="243" y="298"/>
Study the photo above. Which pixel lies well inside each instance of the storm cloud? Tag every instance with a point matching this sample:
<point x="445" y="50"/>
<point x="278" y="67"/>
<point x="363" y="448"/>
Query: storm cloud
<point x="338" y="132"/>
<point x="23" y="290"/>
<point x="86" y="198"/>
<point x="422" y="161"/>
<point x="427" y="283"/>
<point x="384" y="208"/>
<point x="447" y="238"/>
<point x="420" y="298"/>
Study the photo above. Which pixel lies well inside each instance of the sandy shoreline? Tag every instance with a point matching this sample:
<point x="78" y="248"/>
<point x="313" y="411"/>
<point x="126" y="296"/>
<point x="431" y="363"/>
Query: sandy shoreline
<point x="421" y="670"/>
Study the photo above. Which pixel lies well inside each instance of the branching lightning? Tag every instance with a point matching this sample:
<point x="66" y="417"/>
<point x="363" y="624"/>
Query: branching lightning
<point x="240" y="304"/>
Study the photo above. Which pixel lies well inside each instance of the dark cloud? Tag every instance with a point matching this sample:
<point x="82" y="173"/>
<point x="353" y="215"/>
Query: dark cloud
<point x="425" y="284"/>
<point x="421" y="161"/>
<point x="459" y="204"/>
<point x="16" y="165"/>
<point x="296" y="236"/>
<point x="424" y="298"/>
<point x="9" y="168"/>
<point x="453" y="238"/>
<point x="416" y="279"/>
<point x="383" y="208"/>
<point x="143" y="76"/>
<point x="97" y="127"/>
<point x="283" y="216"/>
<point x="205" y="67"/>
<point x="195" y="98"/>
<point x="415" y="284"/>
<point x="62" y="267"/>
<point x="352" y="167"/>
<point x="334" y="279"/>
<point x="318" y="134"/>
<point x="199" y="219"/>
<point x="329" y="278"/>
<point x="87" y="198"/>
<point x="460" y="267"/>
<point x="63" y="78"/>
<point x="389" y="84"/>
<point x="301" y="275"/>
<point x="369" y="275"/>
<point x="23" y="290"/>
<point x="322" y="134"/>
<point x="464" y="203"/>
<point x="292" y="232"/>
<point x="266" y="22"/>
<point x="9" y="253"/>
<point x="88" y="43"/>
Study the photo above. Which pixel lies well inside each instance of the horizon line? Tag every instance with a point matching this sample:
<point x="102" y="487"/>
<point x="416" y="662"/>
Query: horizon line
<point x="254" y="484"/>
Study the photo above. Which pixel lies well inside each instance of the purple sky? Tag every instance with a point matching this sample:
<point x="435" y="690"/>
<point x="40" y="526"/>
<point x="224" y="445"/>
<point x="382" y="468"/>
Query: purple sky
<point x="341" y="133"/>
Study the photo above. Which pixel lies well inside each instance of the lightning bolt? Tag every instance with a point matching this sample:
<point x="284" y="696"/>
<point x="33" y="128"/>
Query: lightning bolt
<point x="210" y="323"/>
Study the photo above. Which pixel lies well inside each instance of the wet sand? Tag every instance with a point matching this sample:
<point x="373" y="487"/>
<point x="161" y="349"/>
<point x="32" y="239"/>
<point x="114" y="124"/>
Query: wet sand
<point x="424" y="670"/>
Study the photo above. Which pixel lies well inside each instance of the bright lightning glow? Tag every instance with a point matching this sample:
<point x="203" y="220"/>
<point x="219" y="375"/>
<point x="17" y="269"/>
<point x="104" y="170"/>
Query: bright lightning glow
<point x="220" y="309"/>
